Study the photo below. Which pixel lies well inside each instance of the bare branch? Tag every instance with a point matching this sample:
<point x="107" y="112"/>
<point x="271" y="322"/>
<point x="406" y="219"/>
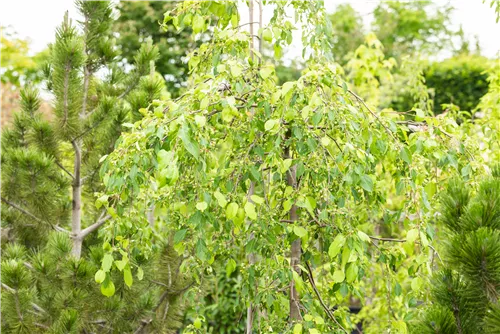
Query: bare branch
<point x="29" y="214"/>
<point x="387" y="239"/>
<point x="64" y="169"/>
<point x="102" y="219"/>
<point x="325" y="307"/>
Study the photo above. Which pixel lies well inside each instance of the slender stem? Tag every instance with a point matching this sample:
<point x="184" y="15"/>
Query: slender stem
<point x="95" y="226"/>
<point x="325" y="307"/>
<point x="29" y="214"/>
<point x="64" y="169"/>
<point x="387" y="239"/>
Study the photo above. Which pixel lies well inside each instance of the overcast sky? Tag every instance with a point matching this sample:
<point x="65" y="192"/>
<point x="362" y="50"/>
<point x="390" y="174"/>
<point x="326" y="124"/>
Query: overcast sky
<point x="37" y="19"/>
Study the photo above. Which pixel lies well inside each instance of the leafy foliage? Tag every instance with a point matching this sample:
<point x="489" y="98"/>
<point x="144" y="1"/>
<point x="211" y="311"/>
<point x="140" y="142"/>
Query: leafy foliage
<point x="239" y="168"/>
<point x="138" y="21"/>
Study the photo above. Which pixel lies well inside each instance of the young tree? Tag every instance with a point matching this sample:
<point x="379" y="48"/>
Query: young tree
<point x="282" y="183"/>
<point x="88" y="117"/>
<point x="49" y="177"/>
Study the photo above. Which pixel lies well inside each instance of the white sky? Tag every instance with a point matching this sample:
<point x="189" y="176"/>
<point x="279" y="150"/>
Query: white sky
<point x="37" y="19"/>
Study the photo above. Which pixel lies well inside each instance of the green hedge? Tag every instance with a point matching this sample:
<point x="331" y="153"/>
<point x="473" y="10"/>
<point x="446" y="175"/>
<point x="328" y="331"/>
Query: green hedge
<point x="460" y="80"/>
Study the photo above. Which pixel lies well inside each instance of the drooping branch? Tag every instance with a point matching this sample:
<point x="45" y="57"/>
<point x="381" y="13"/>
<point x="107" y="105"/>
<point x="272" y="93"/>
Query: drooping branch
<point x="359" y="99"/>
<point x="325" y="307"/>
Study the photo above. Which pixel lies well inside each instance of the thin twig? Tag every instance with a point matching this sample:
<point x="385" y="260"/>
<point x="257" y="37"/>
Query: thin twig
<point x="387" y="239"/>
<point x="325" y="307"/>
<point x="29" y="214"/>
<point x="64" y="169"/>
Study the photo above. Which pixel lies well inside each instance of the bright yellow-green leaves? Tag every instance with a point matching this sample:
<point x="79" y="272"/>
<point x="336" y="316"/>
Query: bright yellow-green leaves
<point x="250" y="211"/>
<point x="232" y="210"/>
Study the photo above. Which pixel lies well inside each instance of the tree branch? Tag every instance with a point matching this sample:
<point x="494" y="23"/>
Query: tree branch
<point x="29" y="214"/>
<point x="11" y="290"/>
<point x="387" y="239"/>
<point x="102" y="219"/>
<point x="64" y="169"/>
<point x="325" y="307"/>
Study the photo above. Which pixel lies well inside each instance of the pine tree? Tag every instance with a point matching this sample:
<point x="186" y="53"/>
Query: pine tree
<point x="465" y="292"/>
<point x="50" y="172"/>
<point x="88" y="115"/>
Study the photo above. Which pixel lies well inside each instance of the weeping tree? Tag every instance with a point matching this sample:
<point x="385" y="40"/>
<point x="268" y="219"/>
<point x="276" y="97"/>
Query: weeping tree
<point x="283" y="184"/>
<point x="465" y="292"/>
<point x="49" y="176"/>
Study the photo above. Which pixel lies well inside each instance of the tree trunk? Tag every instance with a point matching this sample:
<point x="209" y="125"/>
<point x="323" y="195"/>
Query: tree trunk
<point x="295" y="249"/>
<point x="76" y="211"/>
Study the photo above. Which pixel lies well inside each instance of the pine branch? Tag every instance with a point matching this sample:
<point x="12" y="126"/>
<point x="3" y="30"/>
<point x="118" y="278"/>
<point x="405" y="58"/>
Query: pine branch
<point x="11" y="290"/>
<point x="102" y="219"/>
<point x="26" y="212"/>
<point x="64" y="169"/>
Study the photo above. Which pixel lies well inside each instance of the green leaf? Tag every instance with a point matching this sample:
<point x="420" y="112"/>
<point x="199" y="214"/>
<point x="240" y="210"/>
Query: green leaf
<point x="416" y="284"/>
<point x="107" y="262"/>
<point x="202" y="206"/>
<point x="103" y="158"/>
<point x="127" y="276"/>
<point x="257" y="199"/>
<point x="230" y="267"/>
<point x="412" y="235"/>
<point x="120" y="264"/>
<point x="405" y="155"/>
<point x="267" y="35"/>
<point x="336" y="245"/>
<point x="198" y="23"/>
<point x="107" y="287"/>
<point x="363" y="236"/>
<point x="201" y="250"/>
<point x="299" y="231"/>
<point x="420" y="115"/>
<point x="297" y="329"/>
<point x="236" y="71"/>
<point x="179" y="236"/>
<point x="200" y="120"/>
<point x="189" y="144"/>
<point x="100" y="276"/>
<point x="299" y="283"/>
<point x="286" y="87"/>
<point x="271" y="124"/>
<point x="232" y="210"/>
<point x="221" y="199"/>
<point x="103" y="200"/>
<point x="310" y="204"/>
<point x="351" y="273"/>
<point x="266" y="72"/>
<point x="338" y="276"/>
<point x="250" y="211"/>
<point x="140" y="274"/>
<point x="367" y="183"/>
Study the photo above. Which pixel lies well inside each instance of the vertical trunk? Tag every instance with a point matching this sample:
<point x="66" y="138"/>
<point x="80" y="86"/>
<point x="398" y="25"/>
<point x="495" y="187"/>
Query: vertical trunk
<point x="295" y="249"/>
<point x="250" y="8"/>
<point x="251" y="261"/>
<point x="151" y="216"/>
<point x="251" y="257"/>
<point x="76" y="212"/>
